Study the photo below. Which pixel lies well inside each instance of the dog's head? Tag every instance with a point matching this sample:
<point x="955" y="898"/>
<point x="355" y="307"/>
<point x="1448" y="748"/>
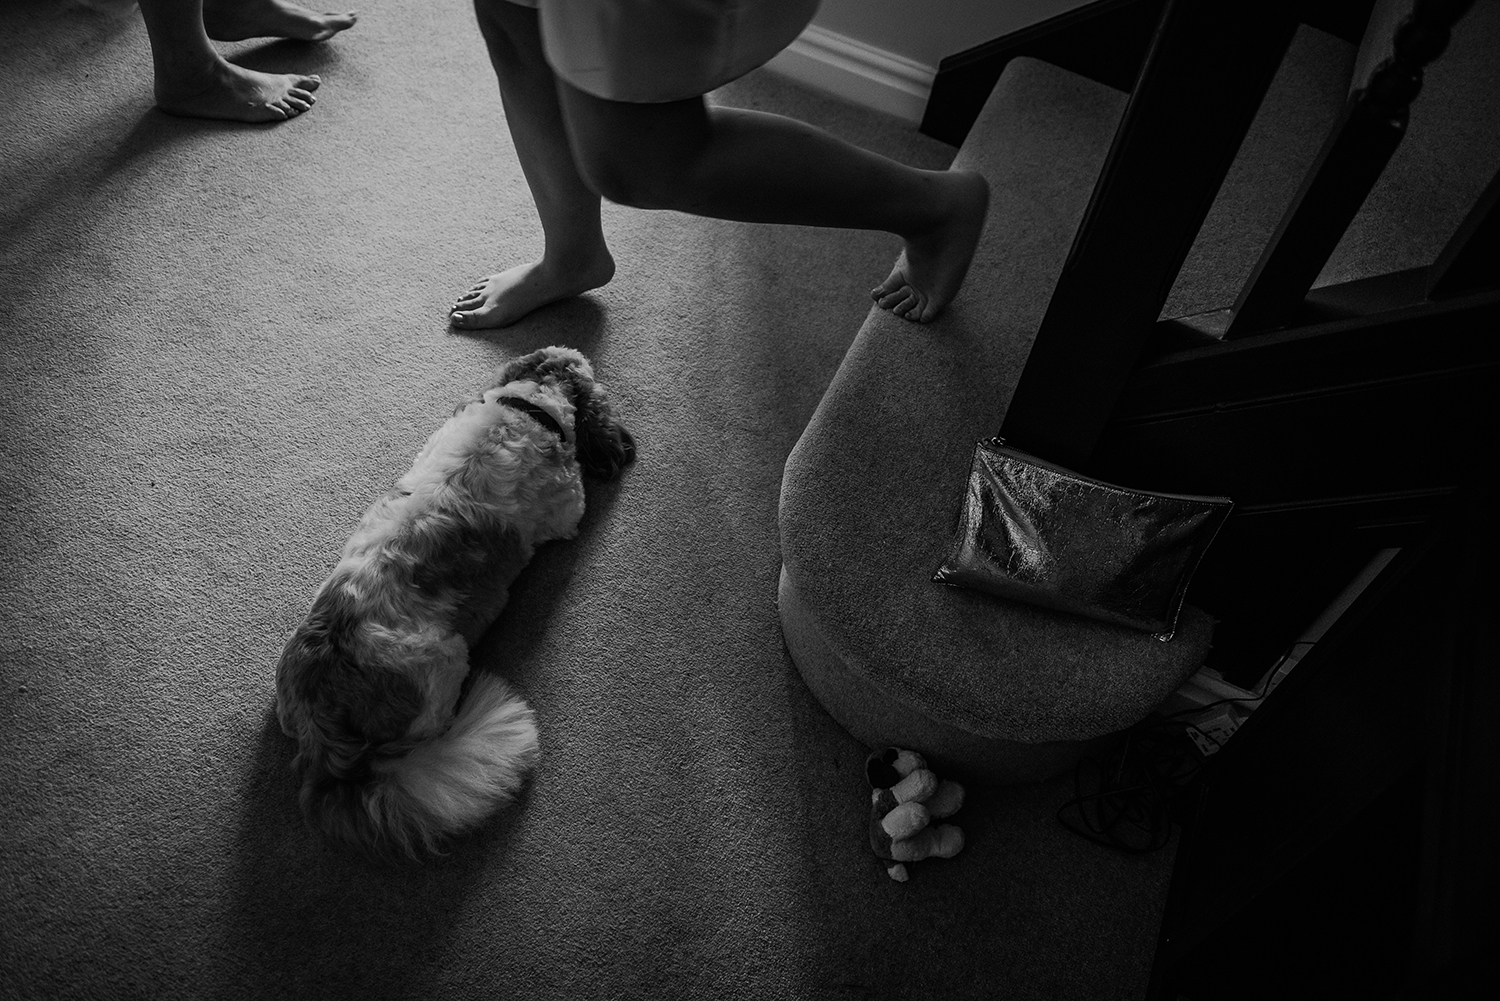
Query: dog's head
<point x="604" y="445"/>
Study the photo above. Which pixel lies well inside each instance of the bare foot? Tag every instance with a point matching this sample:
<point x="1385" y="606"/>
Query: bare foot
<point x="502" y="299"/>
<point x="223" y="90"/>
<point x="931" y="269"/>
<point x="233" y="20"/>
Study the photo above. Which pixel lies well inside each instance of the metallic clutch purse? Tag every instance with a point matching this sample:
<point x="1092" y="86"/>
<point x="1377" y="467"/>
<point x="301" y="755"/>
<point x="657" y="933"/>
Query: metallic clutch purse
<point x="1038" y="533"/>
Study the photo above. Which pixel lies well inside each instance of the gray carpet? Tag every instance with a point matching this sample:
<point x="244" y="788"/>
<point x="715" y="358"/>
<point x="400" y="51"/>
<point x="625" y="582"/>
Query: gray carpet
<point x="219" y="343"/>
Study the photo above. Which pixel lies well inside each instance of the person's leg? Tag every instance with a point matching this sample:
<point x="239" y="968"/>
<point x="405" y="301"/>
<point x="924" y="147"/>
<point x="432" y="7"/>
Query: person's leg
<point x="233" y="20"/>
<point x="194" y="81"/>
<point x="756" y="167"/>
<point x="575" y="257"/>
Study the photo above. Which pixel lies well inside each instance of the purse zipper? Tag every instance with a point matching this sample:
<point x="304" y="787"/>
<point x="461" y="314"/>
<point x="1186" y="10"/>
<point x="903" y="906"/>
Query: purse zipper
<point x="1000" y="442"/>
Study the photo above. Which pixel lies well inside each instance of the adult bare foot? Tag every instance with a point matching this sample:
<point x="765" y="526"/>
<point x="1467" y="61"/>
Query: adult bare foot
<point x="220" y="89"/>
<point x="932" y="267"/>
<point x="233" y="20"/>
<point x="502" y="299"/>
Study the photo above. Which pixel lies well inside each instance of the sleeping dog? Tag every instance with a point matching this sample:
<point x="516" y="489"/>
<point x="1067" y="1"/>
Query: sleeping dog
<point x="391" y="754"/>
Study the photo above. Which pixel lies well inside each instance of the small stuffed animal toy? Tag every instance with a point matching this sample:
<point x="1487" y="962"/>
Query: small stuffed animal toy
<point x="904" y="800"/>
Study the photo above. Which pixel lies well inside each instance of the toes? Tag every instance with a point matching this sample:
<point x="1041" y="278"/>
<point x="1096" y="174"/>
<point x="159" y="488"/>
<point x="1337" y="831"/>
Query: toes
<point x="335" y="24"/>
<point x="311" y="82"/>
<point x="892" y="284"/>
<point x="892" y="299"/>
<point x="305" y="96"/>
<point x="468" y="300"/>
<point x="458" y="319"/>
<point x="913" y="307"/>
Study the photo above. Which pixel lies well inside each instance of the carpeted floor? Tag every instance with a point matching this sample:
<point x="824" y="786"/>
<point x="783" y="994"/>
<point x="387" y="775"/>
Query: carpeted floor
<point x="219" y="343"/>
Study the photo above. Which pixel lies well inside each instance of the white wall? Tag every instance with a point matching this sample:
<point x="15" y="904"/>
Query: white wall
<point x="884" y="53"/>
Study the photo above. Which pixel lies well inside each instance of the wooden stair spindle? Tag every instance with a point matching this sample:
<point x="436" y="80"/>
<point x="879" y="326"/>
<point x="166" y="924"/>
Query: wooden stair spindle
<point x="1357" y="150"/>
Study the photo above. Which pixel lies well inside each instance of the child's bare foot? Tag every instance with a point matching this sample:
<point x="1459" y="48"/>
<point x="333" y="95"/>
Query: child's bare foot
<point x="931" y="270"/>
<point x="220" y="89"/>
<point x="233" y="20"/>
<point x="504" y="298"/>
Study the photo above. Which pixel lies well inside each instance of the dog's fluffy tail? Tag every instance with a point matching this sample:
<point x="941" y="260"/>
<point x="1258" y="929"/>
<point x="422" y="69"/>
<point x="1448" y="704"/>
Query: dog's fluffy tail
<point x="438" y="788"/>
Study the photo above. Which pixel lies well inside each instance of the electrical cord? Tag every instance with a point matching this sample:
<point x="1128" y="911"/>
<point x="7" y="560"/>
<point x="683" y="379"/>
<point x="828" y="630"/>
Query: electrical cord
<point x="1129" y="808"/>
<point x="1135" y="787"/>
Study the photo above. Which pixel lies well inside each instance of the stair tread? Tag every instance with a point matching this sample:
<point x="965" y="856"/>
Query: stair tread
<point x="1300" y="106"/>
<point x="871" y="490"/>
<point x="1449" y="154"/>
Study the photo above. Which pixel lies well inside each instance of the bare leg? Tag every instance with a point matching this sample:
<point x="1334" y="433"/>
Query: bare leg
<point x="575" y="257"/>
<point x="756" y="167"/>
<point x="194" y="81"/>
<point x="232" y="20"/>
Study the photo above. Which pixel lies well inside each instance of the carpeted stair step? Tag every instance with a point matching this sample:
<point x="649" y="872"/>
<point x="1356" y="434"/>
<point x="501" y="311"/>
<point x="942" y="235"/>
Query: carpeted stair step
<point x="990" y="689"/>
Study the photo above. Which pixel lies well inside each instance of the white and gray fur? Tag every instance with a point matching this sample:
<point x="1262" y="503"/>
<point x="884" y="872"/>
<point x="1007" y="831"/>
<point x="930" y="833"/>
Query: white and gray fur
<point x="390" y="756"/>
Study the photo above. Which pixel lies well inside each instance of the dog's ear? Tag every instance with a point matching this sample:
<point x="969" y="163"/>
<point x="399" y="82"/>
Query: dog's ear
<point x="605" y="447"/>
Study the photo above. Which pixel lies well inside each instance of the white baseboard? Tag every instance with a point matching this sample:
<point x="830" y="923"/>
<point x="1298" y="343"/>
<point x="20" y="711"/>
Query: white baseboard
<point x="848" y="68"/>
